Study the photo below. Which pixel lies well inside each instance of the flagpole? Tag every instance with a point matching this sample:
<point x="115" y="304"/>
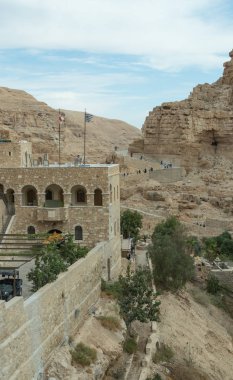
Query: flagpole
<point x="84" y="155"/>
<point x="59" y="139"/>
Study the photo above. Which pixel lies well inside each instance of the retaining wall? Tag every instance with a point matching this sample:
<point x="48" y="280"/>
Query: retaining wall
<point x="30" y="330"/>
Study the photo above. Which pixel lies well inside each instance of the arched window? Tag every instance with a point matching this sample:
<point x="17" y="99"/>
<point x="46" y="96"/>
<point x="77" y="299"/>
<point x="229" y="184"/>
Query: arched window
<point x="114" y="191"/>
<point x="10" y="196"/>
<point x="31" y="230"/>
<point x="29" y="196"/>
<point x="78" y="195"/>
<point x="78" y="233"/>
<point x="48" y="195"/>
<point x="117" y="192"/>
<point x="98" y="199"/>
<point x="54" y="196"/>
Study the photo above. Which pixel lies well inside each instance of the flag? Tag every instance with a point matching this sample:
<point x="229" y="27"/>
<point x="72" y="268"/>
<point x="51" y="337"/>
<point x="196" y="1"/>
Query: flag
<point x="88" y="117"/>
<point x="61" y="117"/>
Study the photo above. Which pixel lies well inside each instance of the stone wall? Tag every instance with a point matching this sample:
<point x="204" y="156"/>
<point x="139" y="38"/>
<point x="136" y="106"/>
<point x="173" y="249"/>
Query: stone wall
<point x="30" y="330"/>
<point x="14" y="155"/>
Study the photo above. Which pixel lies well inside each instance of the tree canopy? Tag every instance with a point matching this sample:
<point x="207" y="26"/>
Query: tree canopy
<point x="136" y="297"/>
<point x="172" y="265"/>
<point x="218" y="245"/>
<point x="131" y="222"/>
<point x="54" y="258"/>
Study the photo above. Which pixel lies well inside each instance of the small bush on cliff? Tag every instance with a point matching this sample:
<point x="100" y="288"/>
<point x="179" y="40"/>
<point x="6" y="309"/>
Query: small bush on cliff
<point x="130" y="345"/>
<point x="109" y="322"/>
<point x="83" y="355"/>
<point x="212" y="285"/>
<point x="163" y="354"/>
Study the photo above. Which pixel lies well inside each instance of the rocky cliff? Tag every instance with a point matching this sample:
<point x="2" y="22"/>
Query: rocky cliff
<point x="196" y="131"/>
<point x="28" y="119"/>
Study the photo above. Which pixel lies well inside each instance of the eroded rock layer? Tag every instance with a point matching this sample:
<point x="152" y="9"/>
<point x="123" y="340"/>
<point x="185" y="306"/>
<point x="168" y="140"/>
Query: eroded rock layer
<point x="197" y="130"/>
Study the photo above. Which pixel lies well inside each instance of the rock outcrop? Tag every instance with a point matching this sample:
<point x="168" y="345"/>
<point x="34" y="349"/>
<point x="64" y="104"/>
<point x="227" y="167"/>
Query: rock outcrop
<point x="28" y="119"/>
<point x="195" y="131"/>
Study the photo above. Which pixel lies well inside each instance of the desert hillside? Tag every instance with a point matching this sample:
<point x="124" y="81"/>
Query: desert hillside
<point x="29" y="119"/>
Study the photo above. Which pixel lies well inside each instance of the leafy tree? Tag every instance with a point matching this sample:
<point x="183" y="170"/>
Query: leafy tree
<point x="194" y="246"/>
<point x="55" y="257"/>
<point x="136" y="297"/>
<point x="131" y="222"/>
<point x="71" y="252"/>
<point x="218" y="245"/>
<point x="210" y="247"/>
<point x="47" y="267"/>
<point x="172" y="265"/>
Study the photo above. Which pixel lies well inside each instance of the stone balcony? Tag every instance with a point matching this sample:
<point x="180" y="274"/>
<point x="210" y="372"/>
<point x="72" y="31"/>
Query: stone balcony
<point x="45" y="214"/>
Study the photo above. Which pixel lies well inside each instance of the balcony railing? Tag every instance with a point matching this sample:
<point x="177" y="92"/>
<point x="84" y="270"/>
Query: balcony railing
<point x="53" y="203"/>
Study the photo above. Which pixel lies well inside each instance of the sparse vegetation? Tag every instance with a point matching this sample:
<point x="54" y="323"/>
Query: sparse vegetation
<point x="83" y="355"/>
<point x="110" y="289"/>
<point x="155" y="377"/>
<point x="109" y="322"/>
<point x="212" y="285"/>
<point x="200" y="296"/>
<point x="130" y="345"/>
<point x="163" y="354"/>
<point x="172" y="264"/>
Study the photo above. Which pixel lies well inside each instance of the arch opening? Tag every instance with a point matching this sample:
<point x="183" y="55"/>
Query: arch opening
<point x="54" y="196"/>
<point x="98" y="197"/>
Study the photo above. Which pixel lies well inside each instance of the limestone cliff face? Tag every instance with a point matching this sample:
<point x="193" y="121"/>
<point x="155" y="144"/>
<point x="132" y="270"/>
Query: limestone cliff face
<point x="28" y="119"/>
<point x="197" y="128"/>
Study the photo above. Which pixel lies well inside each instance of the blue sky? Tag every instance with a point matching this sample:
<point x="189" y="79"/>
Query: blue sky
<point x="116" y="58"/>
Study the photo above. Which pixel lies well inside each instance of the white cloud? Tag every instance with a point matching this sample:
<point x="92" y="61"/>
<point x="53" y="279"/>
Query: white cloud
<point x="169" y="34"/>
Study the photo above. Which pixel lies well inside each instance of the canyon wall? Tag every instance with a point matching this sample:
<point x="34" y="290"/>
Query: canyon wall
<point x="196" y="130"/>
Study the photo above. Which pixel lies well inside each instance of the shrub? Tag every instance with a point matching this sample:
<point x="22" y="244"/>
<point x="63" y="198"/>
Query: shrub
<point x="200" y="296"/>
<point x="163" y="354"/>
<point x="155" y="377"/>
<point x="83" y="355"/>
<point x="212" y="285"/>
<point x="109" y="322"/>
<point x="130" y="345"/>
<point x="110" y="289"/>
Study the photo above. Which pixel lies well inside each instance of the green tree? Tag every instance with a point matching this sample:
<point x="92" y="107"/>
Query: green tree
<point x="131" y="222"/>
<point x="47" y="267"/>
<point x="71" y="252"/>
<point x="136" y="297"/>
<point x="172" y="265"/>
<point x="53" y="259"/>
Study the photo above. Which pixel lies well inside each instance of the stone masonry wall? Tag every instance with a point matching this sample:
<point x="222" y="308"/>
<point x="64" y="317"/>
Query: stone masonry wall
<point x="13" y="155"/>
<point x="30" y="330"/>
<point x="99" y="223"/>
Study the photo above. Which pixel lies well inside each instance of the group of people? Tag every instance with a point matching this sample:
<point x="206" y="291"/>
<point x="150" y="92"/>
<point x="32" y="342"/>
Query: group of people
<point x="166" y="165"/>
<point x="140" y="171"/>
